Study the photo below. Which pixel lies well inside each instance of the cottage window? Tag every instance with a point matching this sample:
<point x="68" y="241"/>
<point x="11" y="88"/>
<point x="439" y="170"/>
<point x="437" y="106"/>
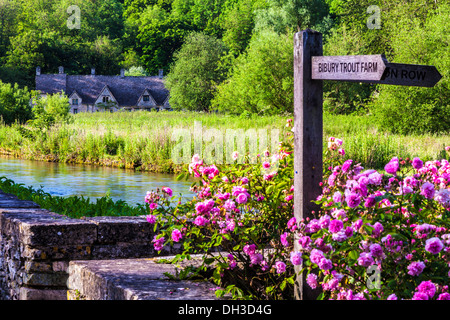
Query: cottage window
<point x="105" y="99"/>
<point x="146" y="98"/>
<point x="75" y="111"/>
<point x="75" y="101"/>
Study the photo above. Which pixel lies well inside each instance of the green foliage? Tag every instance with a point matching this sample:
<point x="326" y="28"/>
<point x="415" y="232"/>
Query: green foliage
<point x="416" y="109"/>
<point x="238" y="22"/>
<point x="50" y="110"/>
<point x="136" y="72"/>
<point x="8" y="15"/>
<point x="196" y="73"/>
<point x="160" y="35"/>
<point x="293" y="15"/>
<point x="35" y="33"/>
<point x="14" y="104"/>
<point x="74" y="206"/>
<point x="118" y="34"/>
<point x="261" y="80"/>
<point x="203" y="15"/>
<point x="401" y="33"/>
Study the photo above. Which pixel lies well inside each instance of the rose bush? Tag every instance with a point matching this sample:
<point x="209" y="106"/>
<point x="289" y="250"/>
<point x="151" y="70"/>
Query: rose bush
<point x="236" y="220"/>
<point x="385" y="234"/>
<point x="378" y="235"/>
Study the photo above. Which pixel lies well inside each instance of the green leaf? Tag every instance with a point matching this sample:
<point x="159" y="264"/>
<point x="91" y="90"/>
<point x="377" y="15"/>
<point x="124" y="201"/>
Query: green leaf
<point x="220" y="293"/>
<point x="180" y="176"/>
<point x="283" y="285"/>
<point x="353" y="255"/>
<point x="209" y="260"/>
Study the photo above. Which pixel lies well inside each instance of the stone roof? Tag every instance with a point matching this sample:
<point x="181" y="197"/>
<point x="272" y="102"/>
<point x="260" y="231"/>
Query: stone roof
<point x="126" y="90"/>
<point x="51" y="83"/>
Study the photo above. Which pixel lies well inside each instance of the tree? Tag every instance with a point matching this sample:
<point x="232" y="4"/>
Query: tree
<point x="293" y="15"/>
<point x="50" y="110"/>
<point x="261" y="79"/>
<point x="415" y="109"/>
<point x="136" y="72"/>
<point x="8" y="16"/>
<point x="159" y="36"/>
<point x="238" y="22"/>
<point x="196" y="72"/>
<point x="14" y="104"/>
<point x="203" y="15"/>
<point x="105" y="55"/>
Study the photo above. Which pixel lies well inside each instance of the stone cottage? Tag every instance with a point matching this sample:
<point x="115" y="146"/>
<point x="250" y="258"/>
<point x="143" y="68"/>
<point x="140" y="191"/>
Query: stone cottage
<point x="94" y="93"/>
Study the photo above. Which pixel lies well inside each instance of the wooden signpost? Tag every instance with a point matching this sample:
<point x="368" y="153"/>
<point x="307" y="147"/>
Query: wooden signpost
<point x="348" y="68"/>
<point x="310" y="69"/>
<point x="410" y="75"/>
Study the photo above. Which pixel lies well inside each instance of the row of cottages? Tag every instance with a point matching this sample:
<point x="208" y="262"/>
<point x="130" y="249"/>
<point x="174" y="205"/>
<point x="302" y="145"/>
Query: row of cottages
<point x="93" y="93"/>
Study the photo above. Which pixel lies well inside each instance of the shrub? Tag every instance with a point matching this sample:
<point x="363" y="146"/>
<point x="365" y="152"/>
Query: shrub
<point x="196" y="72"/>
<point x="50" y="110"/>
<point x="14" y="104"/>
<point x="235" y="220"/>
<point x="376" y="236"/>
<point x="380" y="236"/>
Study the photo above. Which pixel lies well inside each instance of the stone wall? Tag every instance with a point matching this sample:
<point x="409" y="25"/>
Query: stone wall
<point x="36" y="247"/>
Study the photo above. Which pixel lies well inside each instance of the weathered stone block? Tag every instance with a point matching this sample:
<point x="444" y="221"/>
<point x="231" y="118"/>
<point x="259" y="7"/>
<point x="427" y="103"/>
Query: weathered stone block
<point x="133" y="279"/>
<point x="122" y="229"/>
<point x="58" y="233"/>
<point x="34" y="266"/>
<point x="123" y="250"/>
<point x="41" y="227"/>
<point x="75" y="252"/>
<point x="60" y="266"/>
<point x="56" y="279"/>
<point x="16" y="203"/>
<point x="42" y="294"/>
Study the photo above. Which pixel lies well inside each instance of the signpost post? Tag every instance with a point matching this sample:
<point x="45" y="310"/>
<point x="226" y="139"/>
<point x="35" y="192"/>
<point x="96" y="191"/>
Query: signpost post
<point x="310" y="69"/>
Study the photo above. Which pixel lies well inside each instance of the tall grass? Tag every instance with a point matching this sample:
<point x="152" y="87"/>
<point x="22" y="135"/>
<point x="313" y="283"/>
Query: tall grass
<point x="365" y="143"/>
<point x="142" y="140"/>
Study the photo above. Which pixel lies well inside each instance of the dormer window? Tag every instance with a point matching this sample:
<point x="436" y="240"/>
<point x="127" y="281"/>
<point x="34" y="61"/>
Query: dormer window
<point x="146" y="98"/>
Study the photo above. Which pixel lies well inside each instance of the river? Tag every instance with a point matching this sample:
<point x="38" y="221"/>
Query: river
<point x="90" y="181"/>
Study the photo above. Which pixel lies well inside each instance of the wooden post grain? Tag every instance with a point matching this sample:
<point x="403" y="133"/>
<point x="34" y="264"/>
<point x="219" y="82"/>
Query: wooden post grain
<point x="308" y="133"/>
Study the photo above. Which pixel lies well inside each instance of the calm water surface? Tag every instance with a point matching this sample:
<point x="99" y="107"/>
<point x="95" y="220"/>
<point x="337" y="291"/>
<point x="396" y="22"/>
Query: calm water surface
<point x="90" y="181"/>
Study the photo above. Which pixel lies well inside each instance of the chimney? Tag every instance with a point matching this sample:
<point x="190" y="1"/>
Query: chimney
<point x="38" y="71"/>
<point x="161" y="73"/>
<point x="93" y="71"/>
<point x="122" y="73"/>
<point x="61" y="70"/>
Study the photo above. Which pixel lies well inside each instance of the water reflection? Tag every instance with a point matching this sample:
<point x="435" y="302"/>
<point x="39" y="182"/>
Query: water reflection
<point x="90" y="181"/>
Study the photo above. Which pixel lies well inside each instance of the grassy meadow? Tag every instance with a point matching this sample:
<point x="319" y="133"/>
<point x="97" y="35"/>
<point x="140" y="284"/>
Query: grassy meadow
<point x="142" y="140"/>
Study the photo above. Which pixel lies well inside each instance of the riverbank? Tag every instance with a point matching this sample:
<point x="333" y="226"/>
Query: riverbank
<point x="137" y="140"/>
<point x="166" y="167"/>
<point x="142" y="141"/>
<point x="76" y="207"/>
